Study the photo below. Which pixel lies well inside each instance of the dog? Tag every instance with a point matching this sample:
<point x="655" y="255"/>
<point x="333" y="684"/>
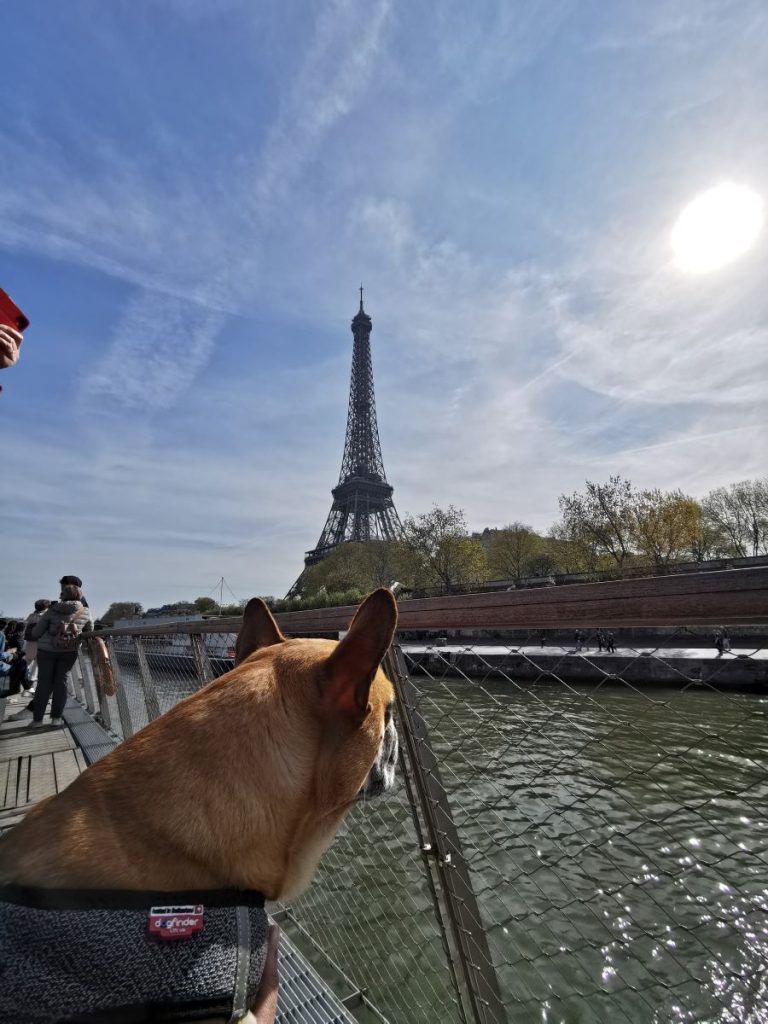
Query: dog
<point x="241" y="786"/>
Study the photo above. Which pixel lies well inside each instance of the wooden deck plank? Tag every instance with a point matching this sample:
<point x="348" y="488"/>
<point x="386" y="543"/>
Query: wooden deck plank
<point x="4" y="767"/>
<point x="12" y="813"/>
<point x="23" y="787"/>
<point x="44" y="741"/>
<point x="9" y="728"/>
<point x="10" y="788"/>
<point x="42" y="777"/>
<point x="82" y="764"/>
<point x="66" y="768"/>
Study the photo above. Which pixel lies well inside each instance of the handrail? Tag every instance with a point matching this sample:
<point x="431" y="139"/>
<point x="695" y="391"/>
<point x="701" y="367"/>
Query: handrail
<point x="729" y="597"/>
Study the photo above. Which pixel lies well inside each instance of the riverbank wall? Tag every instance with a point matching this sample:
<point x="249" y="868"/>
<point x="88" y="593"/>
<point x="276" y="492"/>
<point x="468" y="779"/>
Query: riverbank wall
<point x="732" y="672"/>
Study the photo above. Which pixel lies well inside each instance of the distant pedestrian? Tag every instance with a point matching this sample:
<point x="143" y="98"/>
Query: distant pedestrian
<point x="718" y="641"/>
<point x="600" y="640"/>
<point x="726" y="640"/>
<point x="577" y="639"/>
<point x="610" y="642"/>
<point x="32" y="620"/>
<point x="542" y="637"/>
<point x="58" y="633"/>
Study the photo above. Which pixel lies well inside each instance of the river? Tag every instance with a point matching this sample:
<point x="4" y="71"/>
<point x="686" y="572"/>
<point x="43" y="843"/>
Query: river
<point x="618" y="843"/>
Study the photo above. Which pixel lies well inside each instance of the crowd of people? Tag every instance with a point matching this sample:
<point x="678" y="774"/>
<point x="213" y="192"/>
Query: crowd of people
<point x="37" y="654"/>
<point x="605" y="640"/>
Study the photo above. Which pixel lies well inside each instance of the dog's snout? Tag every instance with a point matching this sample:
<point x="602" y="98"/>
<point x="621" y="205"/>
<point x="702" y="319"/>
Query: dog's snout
<point x="381" y="777"/>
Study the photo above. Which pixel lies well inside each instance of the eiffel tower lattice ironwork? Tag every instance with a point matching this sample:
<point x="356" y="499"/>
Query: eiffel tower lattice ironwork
<point x="362" y="508"/>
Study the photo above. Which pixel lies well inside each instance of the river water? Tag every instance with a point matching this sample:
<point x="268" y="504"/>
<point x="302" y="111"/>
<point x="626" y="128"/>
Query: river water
<point x="617" y="840"/>
<point x="618" y="843"/>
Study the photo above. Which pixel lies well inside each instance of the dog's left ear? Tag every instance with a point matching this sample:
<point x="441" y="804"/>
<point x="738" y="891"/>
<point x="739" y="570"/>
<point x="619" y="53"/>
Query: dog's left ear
<point x="259" y="629"/>
<point x="350" y="669"/>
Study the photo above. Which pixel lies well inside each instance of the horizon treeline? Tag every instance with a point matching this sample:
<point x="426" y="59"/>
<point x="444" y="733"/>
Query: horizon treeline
<point x="607" y="526"/>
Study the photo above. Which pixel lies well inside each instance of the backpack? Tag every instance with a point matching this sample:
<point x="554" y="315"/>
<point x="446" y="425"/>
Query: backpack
<point x="65" y="634"/>
<point x="29" y="627"/>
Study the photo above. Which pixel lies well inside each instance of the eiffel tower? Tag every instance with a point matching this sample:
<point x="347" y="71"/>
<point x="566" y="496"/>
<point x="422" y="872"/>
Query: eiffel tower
<point x="362" y="508"/>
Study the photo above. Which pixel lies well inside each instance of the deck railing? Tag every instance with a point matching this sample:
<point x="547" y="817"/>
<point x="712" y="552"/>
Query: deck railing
<point x="576" y="835"/>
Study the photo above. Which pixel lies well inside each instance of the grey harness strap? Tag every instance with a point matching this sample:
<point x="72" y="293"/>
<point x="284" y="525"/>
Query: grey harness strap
<point x="240" y="1002"/>
<point x="89" y="956"/>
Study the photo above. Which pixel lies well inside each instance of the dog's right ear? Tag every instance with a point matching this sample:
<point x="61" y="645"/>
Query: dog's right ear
<point x="259" y="629"/>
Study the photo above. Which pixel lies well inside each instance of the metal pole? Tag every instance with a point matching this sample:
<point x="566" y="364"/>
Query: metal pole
<point x="122" y="702"/>
<point x="147" y="682"/>
<point x="202" y="661"/>
<point x="464" y="913"/>
<point x="77" y="680"/>
<point x="89" y="685"/>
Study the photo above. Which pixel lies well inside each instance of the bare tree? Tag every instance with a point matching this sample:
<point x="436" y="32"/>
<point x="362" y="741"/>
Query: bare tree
<point x="511" y="550"/>
<point x="740" y="513"/>
<point x="603" y="516"/>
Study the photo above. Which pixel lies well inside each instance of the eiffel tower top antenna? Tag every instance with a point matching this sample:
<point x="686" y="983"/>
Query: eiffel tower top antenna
<point x="362" y="508"/>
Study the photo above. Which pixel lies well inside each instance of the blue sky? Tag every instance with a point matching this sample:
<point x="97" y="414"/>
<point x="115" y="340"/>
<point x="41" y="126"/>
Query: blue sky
<point x="192" y="190"/>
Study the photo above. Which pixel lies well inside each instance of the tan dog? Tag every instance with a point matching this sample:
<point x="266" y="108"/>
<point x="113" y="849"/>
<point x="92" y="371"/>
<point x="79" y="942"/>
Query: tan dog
<point x="243" y="785"/>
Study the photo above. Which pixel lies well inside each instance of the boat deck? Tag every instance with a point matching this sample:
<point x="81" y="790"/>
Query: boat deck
<point x="37" y="764"/>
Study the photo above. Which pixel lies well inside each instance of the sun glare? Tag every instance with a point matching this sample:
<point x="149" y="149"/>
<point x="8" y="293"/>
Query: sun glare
<point x="716" y="227"/>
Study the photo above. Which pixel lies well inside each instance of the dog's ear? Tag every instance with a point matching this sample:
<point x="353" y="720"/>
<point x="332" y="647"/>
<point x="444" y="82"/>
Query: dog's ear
<point x="350" y="669"/>
<point x="259" y="629"/>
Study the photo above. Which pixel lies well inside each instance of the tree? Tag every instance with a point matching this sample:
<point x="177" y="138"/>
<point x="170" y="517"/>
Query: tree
<point x="602" y="516"/>
<point x="666" y="525"/>
<point x="740" y="513"/>
<point x="439" y="552"/>
<point x="571" y="555"/>
<point x="205" y="605"/>
<point x="122" y="610"/>
<point x="511" y="550"/>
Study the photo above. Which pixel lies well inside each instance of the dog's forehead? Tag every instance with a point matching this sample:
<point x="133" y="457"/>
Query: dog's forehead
<point x="310" y="653"/>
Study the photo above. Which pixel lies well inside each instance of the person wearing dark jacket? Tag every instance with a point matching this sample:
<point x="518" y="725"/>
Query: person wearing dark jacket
<point x="31" y="621"/>
<point x="58" y="635"/>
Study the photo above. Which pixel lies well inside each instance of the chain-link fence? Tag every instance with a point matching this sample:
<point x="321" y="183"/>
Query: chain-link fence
<point x="578" y="834"/>
<point x="611" y="809"/>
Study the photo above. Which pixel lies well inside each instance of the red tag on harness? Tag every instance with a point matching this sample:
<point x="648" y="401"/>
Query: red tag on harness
<point x="175" y="922"/>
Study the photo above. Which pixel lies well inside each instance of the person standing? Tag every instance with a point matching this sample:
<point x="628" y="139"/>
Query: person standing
<point x="58" y="634"/>
<point x="542" y="637"/>
<point x="610" y="642"/>
<point x="718" y="639"/>
<point x="600" y="640"/>
<point x="32" y="619"/>
<point x="726" y="640"/>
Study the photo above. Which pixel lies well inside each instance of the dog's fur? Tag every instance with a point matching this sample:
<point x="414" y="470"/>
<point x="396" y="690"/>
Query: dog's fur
<point x="242" y="785"/>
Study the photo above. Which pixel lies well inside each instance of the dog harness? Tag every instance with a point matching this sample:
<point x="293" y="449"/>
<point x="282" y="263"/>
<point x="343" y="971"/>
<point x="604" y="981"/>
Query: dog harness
<point x="92" y="956"/>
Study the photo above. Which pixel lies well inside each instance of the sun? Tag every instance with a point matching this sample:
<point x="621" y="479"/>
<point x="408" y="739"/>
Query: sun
<point x="716" y="227"/>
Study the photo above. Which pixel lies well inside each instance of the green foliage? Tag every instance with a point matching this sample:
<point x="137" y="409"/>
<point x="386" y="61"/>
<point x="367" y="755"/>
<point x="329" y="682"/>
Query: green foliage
<point x="206" y="605"/>
<point x="122" y="610"/>
<point x="438" y="551"/>
<point x="666" y="525"/>
<point x="512" y="550"/>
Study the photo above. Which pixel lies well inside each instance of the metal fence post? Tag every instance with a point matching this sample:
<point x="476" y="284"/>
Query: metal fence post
<point x="77" y="680"/>
<point x="202" y="661"/>
<point x="122" y="702"/>
<point x="88" y="684"/>
<point x="464" y="913"/>
<point x="147" y="682"/>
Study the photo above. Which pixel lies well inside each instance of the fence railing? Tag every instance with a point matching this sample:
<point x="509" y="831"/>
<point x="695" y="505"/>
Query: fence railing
<point x="579" y="833"/>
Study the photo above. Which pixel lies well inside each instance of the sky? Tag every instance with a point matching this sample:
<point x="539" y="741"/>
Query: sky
<point x="191" y="192"/>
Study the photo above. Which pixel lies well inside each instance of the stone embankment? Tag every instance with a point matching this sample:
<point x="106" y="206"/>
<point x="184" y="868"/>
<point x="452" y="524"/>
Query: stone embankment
<point x="742" y="669"/>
